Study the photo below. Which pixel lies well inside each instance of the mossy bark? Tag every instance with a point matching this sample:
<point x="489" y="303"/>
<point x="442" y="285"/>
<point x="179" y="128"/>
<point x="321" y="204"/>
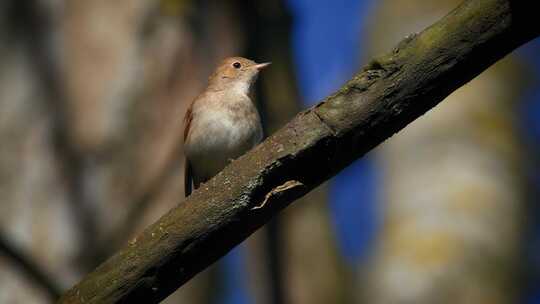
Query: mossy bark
<point x="382" y="99"/>
<point x="452" y="186"/>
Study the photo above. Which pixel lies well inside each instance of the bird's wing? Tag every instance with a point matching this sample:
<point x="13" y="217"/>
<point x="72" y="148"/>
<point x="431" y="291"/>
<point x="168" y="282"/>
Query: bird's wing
<point x="188" y="170"/>
<point x="188" y="178"/>
<point x="187" y="121"/>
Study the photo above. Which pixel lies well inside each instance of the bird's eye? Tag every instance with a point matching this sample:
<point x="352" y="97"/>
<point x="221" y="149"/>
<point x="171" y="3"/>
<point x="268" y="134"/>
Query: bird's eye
<point x="237" y="65"/>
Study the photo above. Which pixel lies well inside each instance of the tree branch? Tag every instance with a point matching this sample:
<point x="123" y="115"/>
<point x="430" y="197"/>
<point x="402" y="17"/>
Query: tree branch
<point x="383" y="98"/>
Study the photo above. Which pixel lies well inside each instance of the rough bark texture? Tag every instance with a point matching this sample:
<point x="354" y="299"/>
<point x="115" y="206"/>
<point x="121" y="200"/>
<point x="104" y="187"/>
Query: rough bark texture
<point x="452" y="187"/>
<point x="125" y="69"/>
<point x="279" y="270"/>
<point x="382" y="99"/>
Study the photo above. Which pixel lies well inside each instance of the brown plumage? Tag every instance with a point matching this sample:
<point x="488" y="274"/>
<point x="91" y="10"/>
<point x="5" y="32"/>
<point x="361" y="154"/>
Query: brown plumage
<point x="222" y="123"/>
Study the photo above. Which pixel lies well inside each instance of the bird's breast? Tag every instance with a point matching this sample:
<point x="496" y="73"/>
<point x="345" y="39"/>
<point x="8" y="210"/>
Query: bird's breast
<point x="222" y="132"/>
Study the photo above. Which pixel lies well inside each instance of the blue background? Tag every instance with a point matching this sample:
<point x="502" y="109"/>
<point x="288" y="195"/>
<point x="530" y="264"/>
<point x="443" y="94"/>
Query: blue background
<point x="327" y="41"/>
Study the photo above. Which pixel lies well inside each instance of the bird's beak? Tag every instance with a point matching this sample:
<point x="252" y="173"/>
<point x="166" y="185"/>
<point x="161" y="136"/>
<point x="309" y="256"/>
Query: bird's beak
<point x="261" y="66"/>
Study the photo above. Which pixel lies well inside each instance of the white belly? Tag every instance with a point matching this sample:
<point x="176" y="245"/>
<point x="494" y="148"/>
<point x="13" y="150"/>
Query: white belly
<point x="227" y="135"/>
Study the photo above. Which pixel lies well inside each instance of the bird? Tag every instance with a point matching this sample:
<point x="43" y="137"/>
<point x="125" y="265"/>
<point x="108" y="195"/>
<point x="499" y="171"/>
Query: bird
<point x="222" y="123"/>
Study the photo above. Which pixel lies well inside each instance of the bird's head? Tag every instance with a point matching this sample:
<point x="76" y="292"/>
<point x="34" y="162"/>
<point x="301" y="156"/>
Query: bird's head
<point x="236" y="73"/>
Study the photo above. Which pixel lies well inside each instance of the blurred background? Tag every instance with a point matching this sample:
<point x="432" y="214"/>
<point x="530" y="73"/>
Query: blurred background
<point x="92" y="98"/>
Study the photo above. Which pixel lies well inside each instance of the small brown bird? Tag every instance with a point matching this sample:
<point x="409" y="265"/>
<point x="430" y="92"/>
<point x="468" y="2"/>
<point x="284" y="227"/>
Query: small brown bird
<point x="222" y="123"/>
